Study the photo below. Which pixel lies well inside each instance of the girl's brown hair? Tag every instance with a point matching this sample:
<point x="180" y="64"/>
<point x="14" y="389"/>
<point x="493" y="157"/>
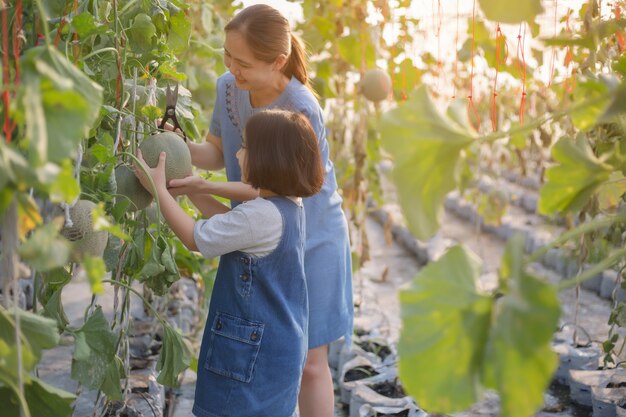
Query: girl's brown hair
<point x="282" y="154"/>
<point x="268" y="35"/>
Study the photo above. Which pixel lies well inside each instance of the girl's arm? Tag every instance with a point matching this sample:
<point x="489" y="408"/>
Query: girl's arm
<point x="179" y="221"/>
<point x="195" y="185"/>
<point x="208" y="205"/>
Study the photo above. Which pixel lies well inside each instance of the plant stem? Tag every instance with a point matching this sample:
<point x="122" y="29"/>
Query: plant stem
<point x="596" y="269"/>
<point x="583" y="228"/>
<point x="134" y="291"/>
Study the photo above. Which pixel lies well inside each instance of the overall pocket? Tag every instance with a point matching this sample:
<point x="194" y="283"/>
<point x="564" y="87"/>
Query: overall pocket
<point x="235" y="344"/>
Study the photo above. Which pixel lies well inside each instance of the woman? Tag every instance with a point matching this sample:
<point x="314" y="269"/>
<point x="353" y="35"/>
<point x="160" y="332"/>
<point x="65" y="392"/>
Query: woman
<point x="267" y="69"/>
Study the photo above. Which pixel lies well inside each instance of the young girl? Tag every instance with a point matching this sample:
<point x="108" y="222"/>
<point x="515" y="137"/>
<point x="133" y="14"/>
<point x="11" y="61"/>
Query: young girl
<point x="255" y="340"/>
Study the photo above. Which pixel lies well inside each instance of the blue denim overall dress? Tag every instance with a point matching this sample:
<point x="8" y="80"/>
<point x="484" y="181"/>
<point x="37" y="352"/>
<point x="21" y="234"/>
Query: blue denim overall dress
<point x="255" y="339"/>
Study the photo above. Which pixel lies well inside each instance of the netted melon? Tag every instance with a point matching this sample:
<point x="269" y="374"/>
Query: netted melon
<point x="178" y="161"/>
<point x="86" y="241"/>
<point x="375" y="84"/>
<point x="129" y="186"/>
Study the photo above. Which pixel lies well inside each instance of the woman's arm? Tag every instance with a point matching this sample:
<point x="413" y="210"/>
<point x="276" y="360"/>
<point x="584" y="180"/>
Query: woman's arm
<point x="207" y="155"/>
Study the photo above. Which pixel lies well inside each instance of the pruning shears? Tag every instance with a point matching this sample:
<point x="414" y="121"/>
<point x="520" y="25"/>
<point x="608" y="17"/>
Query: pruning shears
<point x="171" y="97"/>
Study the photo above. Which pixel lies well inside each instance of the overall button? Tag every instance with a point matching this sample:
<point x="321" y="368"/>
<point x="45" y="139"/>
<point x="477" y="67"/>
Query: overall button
<point x="253" y="336"/>
<point x="244" y="277"/>
<point x="218" y="326"/>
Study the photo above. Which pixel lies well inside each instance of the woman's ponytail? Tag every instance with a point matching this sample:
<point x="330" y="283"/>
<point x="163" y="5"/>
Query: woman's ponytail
<point x="297" y="62"/>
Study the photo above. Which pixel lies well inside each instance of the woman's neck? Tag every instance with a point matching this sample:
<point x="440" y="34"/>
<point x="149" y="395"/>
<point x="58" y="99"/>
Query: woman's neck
<point x="269" y="93"/>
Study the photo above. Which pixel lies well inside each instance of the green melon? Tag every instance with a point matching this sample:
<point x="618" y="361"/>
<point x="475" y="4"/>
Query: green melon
<point x="129" y="186"/>
<point x="85" y="240"/>
<point x="375" y="85"/>
<point x="178" y="161"/>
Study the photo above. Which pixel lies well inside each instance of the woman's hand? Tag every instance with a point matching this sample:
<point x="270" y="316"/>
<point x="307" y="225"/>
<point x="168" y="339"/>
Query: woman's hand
<point x="157" y="173"/>
<point x="192" y="184"/>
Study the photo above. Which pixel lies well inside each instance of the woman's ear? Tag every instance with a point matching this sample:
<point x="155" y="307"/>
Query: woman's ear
<point x="280" y="62"/>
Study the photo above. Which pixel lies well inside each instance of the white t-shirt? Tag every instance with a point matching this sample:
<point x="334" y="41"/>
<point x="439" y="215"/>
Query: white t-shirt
<point x="253" y="227"/>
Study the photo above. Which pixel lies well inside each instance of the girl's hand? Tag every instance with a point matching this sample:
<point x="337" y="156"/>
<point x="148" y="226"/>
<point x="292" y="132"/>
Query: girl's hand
<point x="157" y="173"/>
<point x="188" y="185"/>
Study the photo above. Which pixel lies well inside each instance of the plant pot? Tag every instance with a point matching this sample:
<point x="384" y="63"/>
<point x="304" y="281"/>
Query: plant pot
<point x="620" y="410"/>
<point x="348" y="353"/>
<point x="609" y="395"/>
<point x="380" y="347"/>
<point x="357" y="371"/>
<point x="334" y="352"/>
<point x="581" y="383"/>
<point x="382" y="391"/>
<point x="368" y="410"/>
<point x="577" y="358"/>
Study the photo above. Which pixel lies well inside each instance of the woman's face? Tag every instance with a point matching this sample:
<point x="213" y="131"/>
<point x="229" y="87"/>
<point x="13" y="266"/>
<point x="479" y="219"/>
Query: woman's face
<point x="250" y="73"/>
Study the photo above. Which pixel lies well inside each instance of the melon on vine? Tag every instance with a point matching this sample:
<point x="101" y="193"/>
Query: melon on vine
<point x="85" y="240"/>
<point x="128" y="185"/>
<point x="375" y="85"/>
<point x="178" y="160"/>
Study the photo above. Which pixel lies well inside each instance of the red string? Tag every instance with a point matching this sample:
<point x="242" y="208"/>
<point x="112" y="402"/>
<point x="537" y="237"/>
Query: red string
<point x="5" y="75"/>
<point x="619" y="36"/>
<point x="570" y="82"/>
<point x="471" y="109"/>
<point x="521" y="63"/>
<point x="440" y="72"/>
<point x="17" y="39"/>
<point x="500" y="42"/>
<point x="57" y="38"/>
<point x="553" y="58"/>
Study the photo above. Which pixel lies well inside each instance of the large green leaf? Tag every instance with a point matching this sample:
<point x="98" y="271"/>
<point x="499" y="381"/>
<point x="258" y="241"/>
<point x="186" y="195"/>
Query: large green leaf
<point x="520" y="361"/>
<point x="574" y="179"/>
<point x="511" y="12"/>
<point x="180" y="32"/>
<point x="597" y="96"/>
<point x="445" y="320"/>
<point x="175" y="357"/>
<point x="42" y="400"/>
<point x="45" y="249"/>
<point x="94" y="350"/>
<point x="58" y="103"/>
<point x="456" y="341"/>
<point x="426" y="146"/>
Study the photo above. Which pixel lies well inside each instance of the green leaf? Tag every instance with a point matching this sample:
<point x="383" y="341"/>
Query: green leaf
<point x="111" y="385"/>
<point x="94" y="350"/>
<point x="574" y="179"/>
<point x="46" y="400"/>
<point x="41" y="399"/>
<point x="37" y="331"/>
<point x="142" y="34"/>
<point x="180" y="32"/>
<point x="65" y="188"/>
<point x="507" y="12"/>
<point x="520" y="362"/>
<point x="610" y="193"/>
<point x="445" y="320"/>
<point x="426" y="146"/>
<point x="596" y="93"/>
<point x="58" y="103"/>
<point x="53" y="308"/>
<point x="351" y="50"/>
<point x="175" y="357"/>
<point x="45" y="249"/>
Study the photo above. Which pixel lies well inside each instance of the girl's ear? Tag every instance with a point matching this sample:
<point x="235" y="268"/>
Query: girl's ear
<point x="280" y="62"/>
